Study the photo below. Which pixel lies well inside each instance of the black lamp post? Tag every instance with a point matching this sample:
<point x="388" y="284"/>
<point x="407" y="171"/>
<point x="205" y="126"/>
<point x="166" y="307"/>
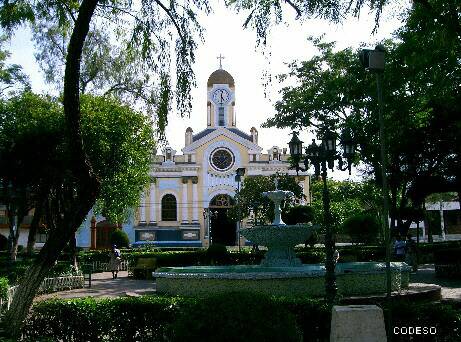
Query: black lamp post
<point x="239" y="173"/>
<point x="322" y="157"/>
<point x="374" y="61"/>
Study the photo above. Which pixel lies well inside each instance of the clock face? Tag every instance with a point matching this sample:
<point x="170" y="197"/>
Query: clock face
<point x="221" y="96"/>
<point x="222" y="159"/>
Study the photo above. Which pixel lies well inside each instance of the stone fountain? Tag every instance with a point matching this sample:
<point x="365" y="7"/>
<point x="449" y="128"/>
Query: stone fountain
<point x="281" y="272"/>
<point x="279" y="238"/>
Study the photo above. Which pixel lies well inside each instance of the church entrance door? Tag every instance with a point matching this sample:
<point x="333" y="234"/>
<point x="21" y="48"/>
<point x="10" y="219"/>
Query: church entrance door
<point x="104" y="230"/>
<point x="222" y="227"/>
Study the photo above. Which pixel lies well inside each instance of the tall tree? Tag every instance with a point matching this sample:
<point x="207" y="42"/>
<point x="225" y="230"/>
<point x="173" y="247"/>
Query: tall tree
<point x="149" y="32"/>
<point x="335" y="91"/>
<point x="347" y="198"/>
<point x="12" y="78"/>
<point x="30" y="131"/>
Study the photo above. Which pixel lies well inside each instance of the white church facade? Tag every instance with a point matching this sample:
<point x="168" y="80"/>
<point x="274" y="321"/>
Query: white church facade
<point x="186" y="203"/>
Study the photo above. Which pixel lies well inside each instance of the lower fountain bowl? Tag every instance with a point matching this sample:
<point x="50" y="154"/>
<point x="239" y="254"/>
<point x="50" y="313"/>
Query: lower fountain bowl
<point x="353" y="279"/>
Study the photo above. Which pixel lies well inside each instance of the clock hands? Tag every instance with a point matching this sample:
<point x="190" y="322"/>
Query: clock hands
<point x="221" y="96"/>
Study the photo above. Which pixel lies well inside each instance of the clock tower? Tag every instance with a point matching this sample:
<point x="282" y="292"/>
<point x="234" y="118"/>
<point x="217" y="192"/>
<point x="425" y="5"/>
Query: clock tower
<point x="221" y="100"/>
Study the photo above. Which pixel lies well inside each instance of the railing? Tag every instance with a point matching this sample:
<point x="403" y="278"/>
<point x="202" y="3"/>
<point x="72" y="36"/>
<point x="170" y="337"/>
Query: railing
<point x="61" y="283"/>
<point x="48" y="285"/>
<point x="98" y="266"/>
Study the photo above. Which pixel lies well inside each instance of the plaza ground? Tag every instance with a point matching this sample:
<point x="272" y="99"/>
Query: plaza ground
<point x="103" y="286"/>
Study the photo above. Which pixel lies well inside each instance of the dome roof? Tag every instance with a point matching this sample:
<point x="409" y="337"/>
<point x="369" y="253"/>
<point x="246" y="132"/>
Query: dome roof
<point x="220" y="76"/>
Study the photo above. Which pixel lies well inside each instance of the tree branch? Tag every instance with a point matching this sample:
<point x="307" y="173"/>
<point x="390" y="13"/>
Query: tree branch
<point x="296" y="8"/>
<point x="167" y="11"/>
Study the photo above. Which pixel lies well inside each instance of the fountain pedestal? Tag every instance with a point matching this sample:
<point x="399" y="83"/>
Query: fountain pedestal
<point x="279" y="238"/>
<point x="280" y="241"/>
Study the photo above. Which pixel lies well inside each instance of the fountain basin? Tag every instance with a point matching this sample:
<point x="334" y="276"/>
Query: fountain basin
<point x="353" y="279"/>
<point x="280" y="241"/>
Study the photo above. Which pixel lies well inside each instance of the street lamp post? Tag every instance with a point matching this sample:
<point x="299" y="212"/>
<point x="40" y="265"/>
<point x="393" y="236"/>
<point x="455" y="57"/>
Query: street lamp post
<point x="374" y="61"/>
<point x="322" y="157"/>
<point x="239" y="173"/>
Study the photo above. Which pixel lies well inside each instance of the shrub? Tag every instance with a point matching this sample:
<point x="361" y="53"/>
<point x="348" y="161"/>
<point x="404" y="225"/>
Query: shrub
<point x="120" y="319"/>
<point x="443" y="317"/>
<point x="3" y="243"/>
<point x="119" y="238"/>
<point x="298" y="214"/>
<point x="313" y="239"/>
<point x="3" y="287"/>
<point x="362" y="228"/>
<point x="448" y="263"/>
<point x="217" y="254"/>
<point x="233" y="316"/>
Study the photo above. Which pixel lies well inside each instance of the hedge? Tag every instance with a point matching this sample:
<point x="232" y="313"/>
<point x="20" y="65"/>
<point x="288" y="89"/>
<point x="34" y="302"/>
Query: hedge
<point x="14" y="271"/>
<point x="4" y="288"/>
<point x="448" y="263"/>
<point x="309" y="255"/>
<point x="157" y="318"/>
<point x="120" y="319"/>
<point x="236" y="316"/>
<point x="178" y="258"/>
<point x="445" y="318"/>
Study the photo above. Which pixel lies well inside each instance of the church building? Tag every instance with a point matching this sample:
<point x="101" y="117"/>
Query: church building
<point x="187" y="201"/>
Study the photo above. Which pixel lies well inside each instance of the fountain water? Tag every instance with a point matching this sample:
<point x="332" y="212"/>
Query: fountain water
<point x="280" y="272"/>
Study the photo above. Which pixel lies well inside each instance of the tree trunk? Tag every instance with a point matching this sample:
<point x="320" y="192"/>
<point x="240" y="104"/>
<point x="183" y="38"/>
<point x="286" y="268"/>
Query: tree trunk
<point x="33" y="229"/>
<point x="427" y="224"/>
<point x="73" y="251"/>
<point x="15" y="219"/>
<point x="80" y="195"/>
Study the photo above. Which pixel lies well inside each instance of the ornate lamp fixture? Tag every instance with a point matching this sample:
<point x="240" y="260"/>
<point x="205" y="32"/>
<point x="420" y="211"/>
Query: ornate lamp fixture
<point x="326" y="152"/>
<point x="320" y="157"/>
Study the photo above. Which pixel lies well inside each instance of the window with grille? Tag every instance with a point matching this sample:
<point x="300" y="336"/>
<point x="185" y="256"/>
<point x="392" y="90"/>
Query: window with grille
<point x="169" y="208"/>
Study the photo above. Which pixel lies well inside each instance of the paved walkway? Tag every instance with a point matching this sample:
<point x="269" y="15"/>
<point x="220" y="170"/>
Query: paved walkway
<point x="451" y="288"/>
<point x="104" y="286"/>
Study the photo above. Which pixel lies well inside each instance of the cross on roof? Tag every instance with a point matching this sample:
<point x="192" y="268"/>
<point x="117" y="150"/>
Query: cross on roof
<point x="220" y="57"/>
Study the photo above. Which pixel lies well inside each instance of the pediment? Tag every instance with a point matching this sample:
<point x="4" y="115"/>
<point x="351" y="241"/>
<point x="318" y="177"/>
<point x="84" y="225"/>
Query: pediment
<point x="222" y="131"/>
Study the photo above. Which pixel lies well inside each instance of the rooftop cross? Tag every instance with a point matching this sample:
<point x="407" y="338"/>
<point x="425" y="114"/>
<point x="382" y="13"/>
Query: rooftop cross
<point x="220" y="57"/>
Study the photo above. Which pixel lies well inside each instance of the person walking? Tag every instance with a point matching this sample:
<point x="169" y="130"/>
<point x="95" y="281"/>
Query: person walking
<point x="399" y="249"/>
<point x="411" y="253"/>
<point x="115" y="260"/>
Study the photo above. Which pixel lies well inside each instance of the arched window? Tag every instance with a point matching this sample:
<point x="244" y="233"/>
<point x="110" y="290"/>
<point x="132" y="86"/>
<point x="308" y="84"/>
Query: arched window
<point x="169" y="208"/>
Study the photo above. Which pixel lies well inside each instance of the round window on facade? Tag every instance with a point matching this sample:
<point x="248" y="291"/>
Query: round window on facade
<point x="222" y="159"/>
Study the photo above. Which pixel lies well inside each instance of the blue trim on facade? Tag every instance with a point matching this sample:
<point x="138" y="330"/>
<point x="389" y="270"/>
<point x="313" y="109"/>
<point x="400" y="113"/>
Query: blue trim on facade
<point x="183" y="243"/>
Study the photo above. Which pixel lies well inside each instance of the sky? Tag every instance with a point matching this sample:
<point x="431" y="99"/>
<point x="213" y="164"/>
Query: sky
<point x="224" y="35"/>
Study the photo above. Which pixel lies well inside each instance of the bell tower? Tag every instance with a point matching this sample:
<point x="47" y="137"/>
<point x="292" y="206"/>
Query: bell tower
<point x="221" y="99"/>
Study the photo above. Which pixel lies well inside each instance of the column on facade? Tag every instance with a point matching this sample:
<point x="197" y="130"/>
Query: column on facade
<point x="195" y="203"/>
<point x="142" y="208"/>
<point x="153" y="204"/>
<point x="184" y="203"/>
<point x="208" y="115"/>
